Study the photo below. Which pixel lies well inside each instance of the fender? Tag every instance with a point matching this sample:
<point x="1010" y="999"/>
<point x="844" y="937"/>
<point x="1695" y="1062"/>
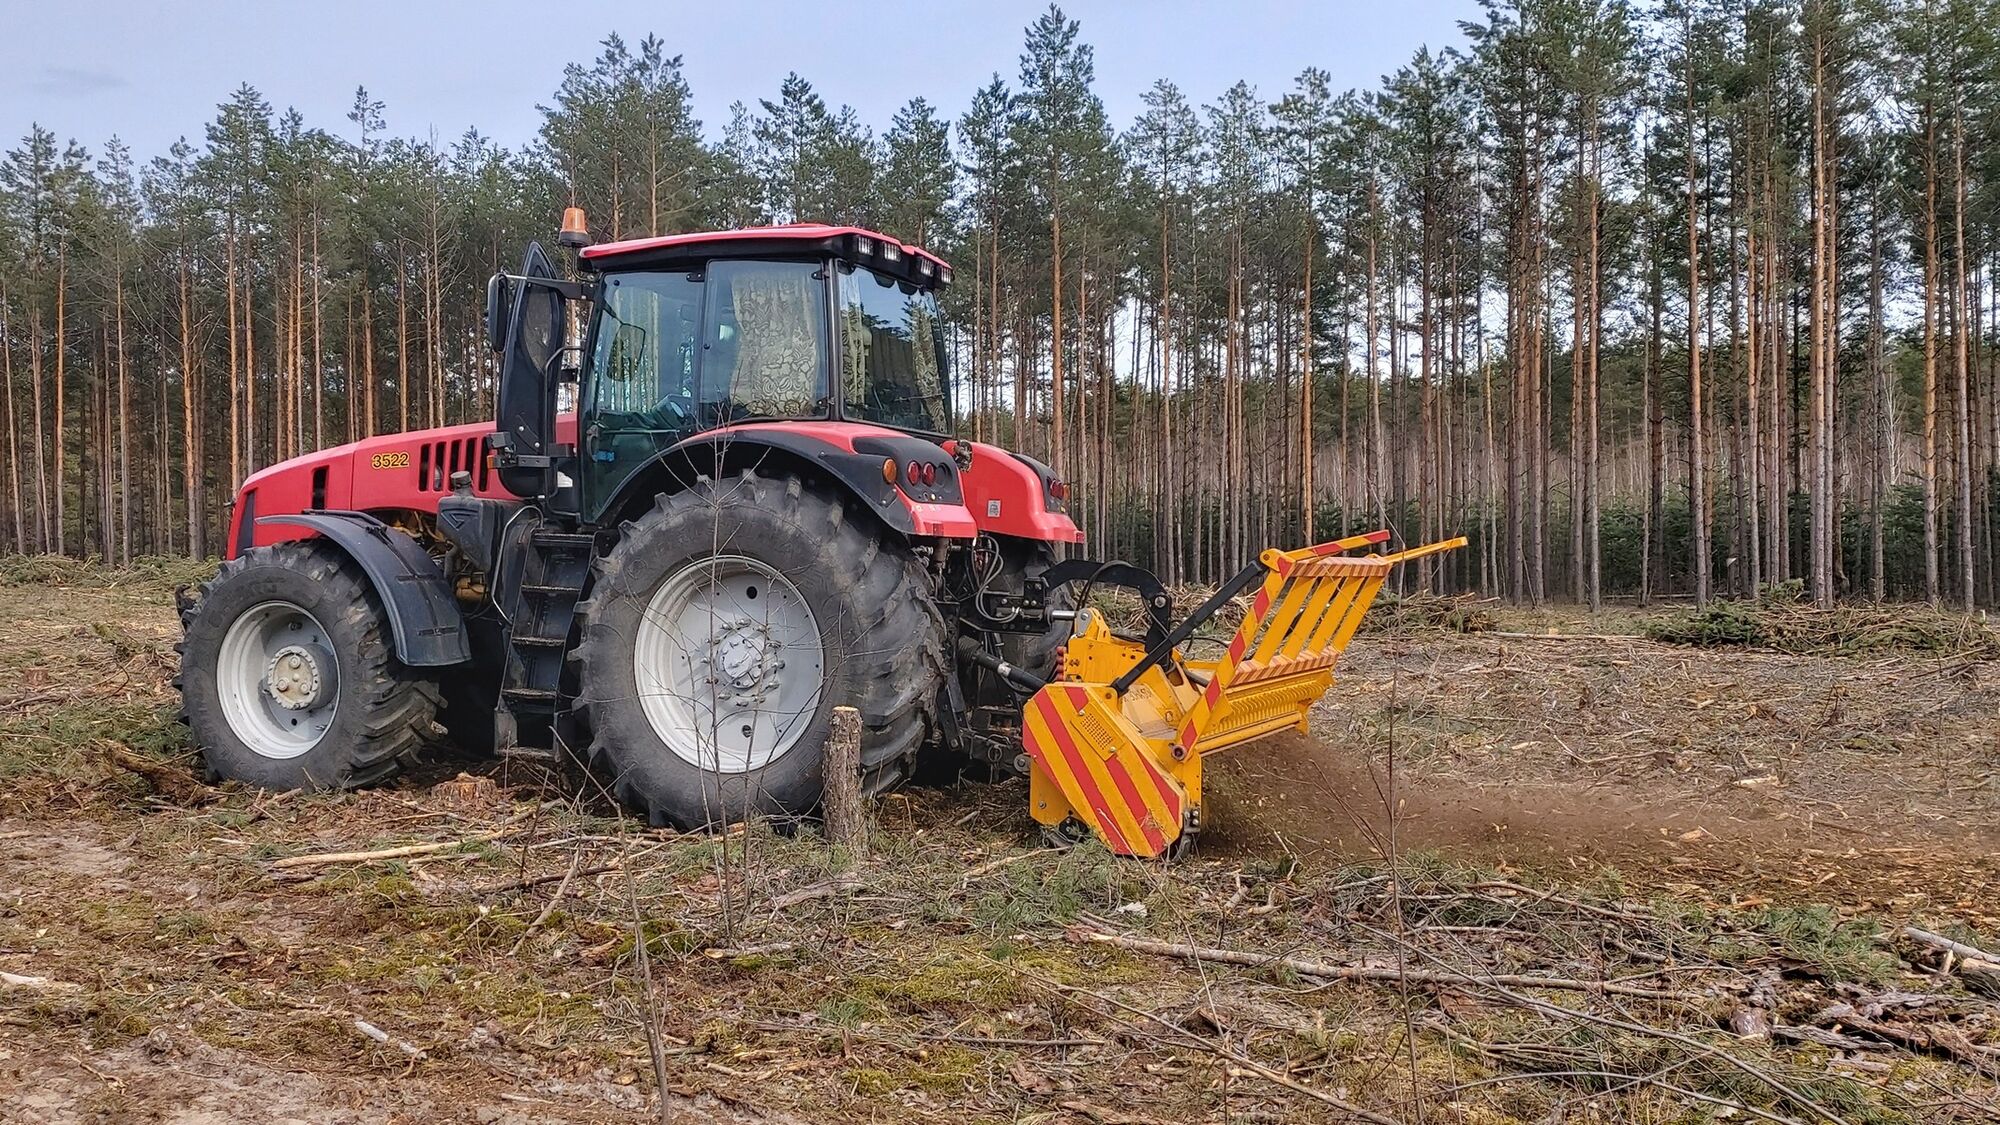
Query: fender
<point x="423" y="615"/>
<point x="850" y="453"/>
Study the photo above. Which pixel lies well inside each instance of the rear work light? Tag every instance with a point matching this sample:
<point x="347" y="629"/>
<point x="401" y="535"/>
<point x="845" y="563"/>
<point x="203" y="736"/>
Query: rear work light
<point x="891" y="252"/>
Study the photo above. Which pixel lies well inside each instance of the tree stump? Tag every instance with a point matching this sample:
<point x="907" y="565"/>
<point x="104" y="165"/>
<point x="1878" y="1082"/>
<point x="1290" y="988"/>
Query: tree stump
<point x="846" y="813"/>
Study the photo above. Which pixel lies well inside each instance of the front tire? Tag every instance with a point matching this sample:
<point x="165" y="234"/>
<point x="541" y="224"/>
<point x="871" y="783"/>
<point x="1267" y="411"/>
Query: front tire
<point x="721" y="632"/>
<point x="288" y="679"/>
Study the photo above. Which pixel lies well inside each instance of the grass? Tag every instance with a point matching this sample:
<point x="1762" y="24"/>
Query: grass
<point x="918" y="995"/>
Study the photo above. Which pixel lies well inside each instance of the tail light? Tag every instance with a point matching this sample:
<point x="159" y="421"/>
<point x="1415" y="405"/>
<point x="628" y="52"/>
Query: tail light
<point x="930" y="474"/>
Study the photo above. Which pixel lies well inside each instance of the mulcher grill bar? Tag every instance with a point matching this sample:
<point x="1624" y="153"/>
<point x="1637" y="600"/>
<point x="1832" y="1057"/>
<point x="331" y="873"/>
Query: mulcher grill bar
<point x="1116" y="740"/>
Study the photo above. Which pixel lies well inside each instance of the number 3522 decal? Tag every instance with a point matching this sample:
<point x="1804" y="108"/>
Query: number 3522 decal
<point x="389" y="461"/>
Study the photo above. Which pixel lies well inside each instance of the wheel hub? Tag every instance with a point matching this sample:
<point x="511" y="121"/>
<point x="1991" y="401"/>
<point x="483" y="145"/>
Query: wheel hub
<point x="277" y="679"/>
<point x="728" y="663"/>
<point x="737" y="653"/>
<point x="293" y="677"/>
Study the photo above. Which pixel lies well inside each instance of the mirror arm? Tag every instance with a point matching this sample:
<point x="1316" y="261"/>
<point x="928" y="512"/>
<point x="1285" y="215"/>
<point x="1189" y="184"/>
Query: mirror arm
<point x="572" y="290"/>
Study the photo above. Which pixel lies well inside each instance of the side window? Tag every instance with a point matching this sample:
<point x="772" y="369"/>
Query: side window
<point x="648" y="343"/>
<point x="642" y="373"/>
<point x="764" y="345"/>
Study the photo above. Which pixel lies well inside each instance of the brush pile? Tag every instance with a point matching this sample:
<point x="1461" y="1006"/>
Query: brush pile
<point x="1803" y="629"/>
<point x="1433" y="613"/>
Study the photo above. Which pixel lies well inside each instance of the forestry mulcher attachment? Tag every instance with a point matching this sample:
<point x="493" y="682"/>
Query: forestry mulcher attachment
<point x="747" y="512"/>
<point x="1116" y="740"/>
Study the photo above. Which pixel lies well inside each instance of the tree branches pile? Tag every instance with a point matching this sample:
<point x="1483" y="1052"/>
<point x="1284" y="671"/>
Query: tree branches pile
<point x="1849" y="630"/>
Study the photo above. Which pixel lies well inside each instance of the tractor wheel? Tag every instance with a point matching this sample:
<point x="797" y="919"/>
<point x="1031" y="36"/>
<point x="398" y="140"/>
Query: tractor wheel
<point x="721" y="632"/>
<point x="288" y="676"/>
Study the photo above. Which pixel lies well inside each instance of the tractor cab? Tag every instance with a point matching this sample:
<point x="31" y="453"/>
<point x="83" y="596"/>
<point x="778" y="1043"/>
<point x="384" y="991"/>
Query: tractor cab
<point x="672" y="337"/>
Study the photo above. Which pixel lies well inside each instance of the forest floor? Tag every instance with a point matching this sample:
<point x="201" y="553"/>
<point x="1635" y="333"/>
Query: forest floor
<point x="1552" y="872"/>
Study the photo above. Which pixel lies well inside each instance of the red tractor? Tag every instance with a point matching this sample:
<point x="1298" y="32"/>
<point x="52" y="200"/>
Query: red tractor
<point x="755" y="512"/>
<point x="754" y="515"/>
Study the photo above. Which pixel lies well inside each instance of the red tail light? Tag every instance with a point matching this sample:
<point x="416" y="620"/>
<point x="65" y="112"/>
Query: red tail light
<point x="930" y="474"/>
<point x="1059" y="489"/>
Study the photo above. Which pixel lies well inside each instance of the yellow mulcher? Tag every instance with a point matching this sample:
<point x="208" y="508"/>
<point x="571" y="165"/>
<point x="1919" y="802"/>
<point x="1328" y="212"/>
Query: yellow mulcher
<point x="1116" y="736"/>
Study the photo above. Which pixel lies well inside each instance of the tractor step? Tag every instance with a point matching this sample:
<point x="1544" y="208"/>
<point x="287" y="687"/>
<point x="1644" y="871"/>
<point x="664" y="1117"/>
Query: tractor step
<point x="554" y="567"/>
<point x="563" y="541"/>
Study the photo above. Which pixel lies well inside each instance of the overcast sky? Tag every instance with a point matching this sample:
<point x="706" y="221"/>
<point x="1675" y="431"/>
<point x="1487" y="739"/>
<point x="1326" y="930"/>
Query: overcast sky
<point x="153" y="71"/>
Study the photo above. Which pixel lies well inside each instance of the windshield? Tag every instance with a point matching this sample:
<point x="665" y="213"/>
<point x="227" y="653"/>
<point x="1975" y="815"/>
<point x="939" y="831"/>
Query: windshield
<point x="892" y="354"/>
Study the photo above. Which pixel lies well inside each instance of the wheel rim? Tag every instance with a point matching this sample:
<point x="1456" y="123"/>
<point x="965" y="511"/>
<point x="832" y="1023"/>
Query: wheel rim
<point x="278" y="680"/>
<point x="729" y="664"/>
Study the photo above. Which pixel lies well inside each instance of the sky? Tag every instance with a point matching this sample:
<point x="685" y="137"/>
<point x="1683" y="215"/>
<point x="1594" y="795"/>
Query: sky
<point x="152" y="72"/>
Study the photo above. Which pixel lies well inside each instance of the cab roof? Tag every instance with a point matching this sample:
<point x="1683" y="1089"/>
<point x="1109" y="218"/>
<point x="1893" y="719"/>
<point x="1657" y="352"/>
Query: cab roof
<point x="795" y="237"/>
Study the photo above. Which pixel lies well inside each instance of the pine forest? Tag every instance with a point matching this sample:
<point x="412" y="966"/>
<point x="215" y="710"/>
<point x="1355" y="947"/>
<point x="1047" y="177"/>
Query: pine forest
<point x="1660" y="298"/>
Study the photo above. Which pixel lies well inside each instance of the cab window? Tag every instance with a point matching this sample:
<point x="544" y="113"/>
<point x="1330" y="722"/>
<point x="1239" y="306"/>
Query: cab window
<point x="764" y="346"/>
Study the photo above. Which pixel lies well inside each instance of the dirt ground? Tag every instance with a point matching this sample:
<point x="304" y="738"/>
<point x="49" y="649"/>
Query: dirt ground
<point x="1509" y="877"/>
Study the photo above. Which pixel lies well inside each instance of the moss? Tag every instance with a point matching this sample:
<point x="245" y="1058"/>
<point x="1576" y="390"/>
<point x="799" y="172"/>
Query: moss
<point x="869" y="1081"/>
<point x="938" y="988"/>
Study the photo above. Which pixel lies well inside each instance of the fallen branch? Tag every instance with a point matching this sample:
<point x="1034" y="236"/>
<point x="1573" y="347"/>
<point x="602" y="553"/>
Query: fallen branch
<point x="42" y="984"/>
<point x="512" y="885"/>
<point x="168" y="780"/>
<point x="1978" y="968"/>
<point x="541" y="919"/>
<point x="995" y="865"/>
<point x="1963" y="951"/>
<point x="762" y="949"/>
<point x="324" y="859"/>
<point x="387" y="1040"/>
<point x="1104" y="1116"/>
<point x="1376" y="974"/>
<point x="827" y="889"/>
<point x="1244" y="1065"/>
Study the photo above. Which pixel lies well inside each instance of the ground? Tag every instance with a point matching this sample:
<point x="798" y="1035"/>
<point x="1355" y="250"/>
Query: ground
<point x="1549" y="872"/>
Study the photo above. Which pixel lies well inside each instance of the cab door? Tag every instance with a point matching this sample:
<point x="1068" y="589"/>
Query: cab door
<point x="643" y="370"/>
<point x="534" y="308"/>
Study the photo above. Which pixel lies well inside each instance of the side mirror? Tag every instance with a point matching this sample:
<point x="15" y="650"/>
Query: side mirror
<point x="499" y="307"/>
<point x="630" y="357"/>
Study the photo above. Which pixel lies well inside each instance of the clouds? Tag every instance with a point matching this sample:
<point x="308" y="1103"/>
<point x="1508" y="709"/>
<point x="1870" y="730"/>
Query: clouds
<point x="75" y="82"/>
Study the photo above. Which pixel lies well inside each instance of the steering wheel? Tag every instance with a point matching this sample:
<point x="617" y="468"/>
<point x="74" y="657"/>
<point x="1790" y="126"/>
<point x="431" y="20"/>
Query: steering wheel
<point x="676" y="409"/>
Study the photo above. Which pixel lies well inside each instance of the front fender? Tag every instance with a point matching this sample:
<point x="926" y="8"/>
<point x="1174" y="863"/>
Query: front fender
<point x="424" y="619"/>
<point x="851" y="455"/>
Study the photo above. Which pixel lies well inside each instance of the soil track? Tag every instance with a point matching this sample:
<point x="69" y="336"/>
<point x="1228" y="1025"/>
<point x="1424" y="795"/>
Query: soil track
<point x="1728" y="774"/>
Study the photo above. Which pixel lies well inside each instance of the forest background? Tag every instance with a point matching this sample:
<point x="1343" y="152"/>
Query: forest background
<point x="1650" y="298"/>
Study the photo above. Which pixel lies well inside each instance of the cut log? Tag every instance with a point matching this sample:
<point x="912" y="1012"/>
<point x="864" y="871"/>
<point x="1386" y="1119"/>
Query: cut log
<point x="846" y="814"/>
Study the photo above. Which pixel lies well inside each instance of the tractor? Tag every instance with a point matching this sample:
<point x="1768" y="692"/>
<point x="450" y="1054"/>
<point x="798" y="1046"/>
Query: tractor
<point x="720" y="498"/>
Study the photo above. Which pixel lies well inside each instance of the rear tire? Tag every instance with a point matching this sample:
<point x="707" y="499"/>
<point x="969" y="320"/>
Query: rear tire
<point x="288" y="676"/>
<point x="768" y="586"/>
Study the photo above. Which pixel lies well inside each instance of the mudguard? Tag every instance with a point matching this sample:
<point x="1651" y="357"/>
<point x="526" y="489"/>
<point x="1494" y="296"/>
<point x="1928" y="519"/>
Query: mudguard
<point x="423" y="615"/>
<point x="850" y="453"/>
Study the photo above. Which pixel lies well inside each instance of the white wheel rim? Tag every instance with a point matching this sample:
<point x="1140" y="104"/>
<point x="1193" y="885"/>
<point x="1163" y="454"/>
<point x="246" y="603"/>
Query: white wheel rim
<point x="729" y="664"/>
<point x="278" y="680"/>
